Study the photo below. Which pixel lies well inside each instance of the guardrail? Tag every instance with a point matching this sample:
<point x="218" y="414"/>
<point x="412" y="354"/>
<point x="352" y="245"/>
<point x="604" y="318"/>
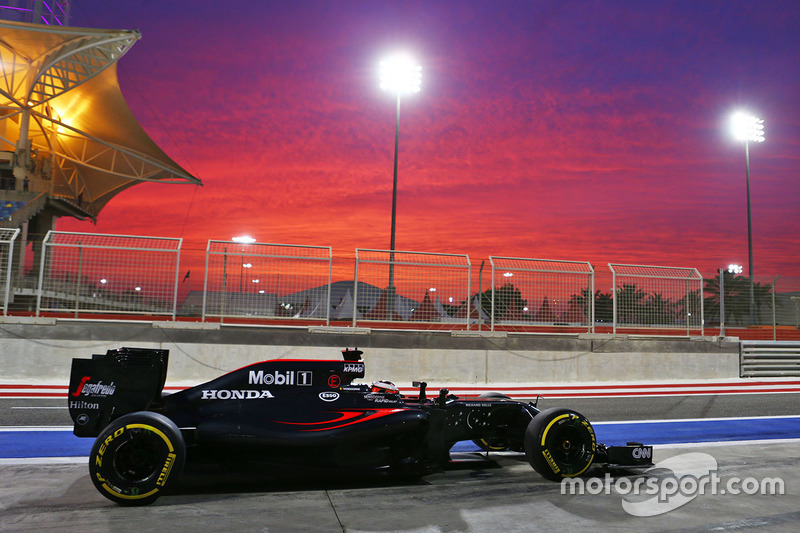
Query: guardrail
<point x="769" y="359"/>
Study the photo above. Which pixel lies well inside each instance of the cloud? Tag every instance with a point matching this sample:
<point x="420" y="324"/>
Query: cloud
<point x="573" y="131"/>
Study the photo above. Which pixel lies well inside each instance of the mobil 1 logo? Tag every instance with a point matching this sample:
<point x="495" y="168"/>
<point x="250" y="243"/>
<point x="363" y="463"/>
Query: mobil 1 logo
<point x="289" y="377"/>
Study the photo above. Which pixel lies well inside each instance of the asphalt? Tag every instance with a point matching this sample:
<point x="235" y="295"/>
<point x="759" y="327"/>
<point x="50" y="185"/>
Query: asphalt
<point x="501" y="494"/>
<point x="505" y="495"/>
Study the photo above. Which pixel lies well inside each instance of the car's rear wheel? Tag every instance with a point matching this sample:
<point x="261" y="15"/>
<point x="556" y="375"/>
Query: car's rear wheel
<point x="135" y="457"/>
<point x="560" y="443"/>
<point x="492" y="444"/>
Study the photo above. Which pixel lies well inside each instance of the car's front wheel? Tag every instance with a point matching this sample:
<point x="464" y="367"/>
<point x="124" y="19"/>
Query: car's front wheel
<point x="560" y="443"/>
<point x="135" y="457"/>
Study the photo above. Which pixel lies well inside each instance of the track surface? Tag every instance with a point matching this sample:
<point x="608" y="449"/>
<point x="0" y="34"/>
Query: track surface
<point x="501" y="495"/>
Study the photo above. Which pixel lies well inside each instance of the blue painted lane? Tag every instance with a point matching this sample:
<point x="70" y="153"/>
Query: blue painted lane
<point x="48" y="443"/>
<point x="689" y="431"/>
<point x="62" y="443"/>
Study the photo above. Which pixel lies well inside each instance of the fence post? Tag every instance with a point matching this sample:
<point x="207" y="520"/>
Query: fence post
<point x="591" y="298"/>
<point x="41" y="273"/>
<point x="355" y="290"/>
<point x="205" y="284"/>
<point x="721" y="303"/>
<point x="702" y="306"/>
<point x="177" y="275"/>
<point x="774" y="318"/>
<point x="480" y="297"/>
<point x="614" y="299"/>
<point x="7" y="282"/>
<point x="78" y="279"/>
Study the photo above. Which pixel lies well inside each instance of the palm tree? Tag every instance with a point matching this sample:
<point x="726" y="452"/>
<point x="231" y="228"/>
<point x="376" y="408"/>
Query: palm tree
<point x="630" y="304"/>
<point x="582" y="301"/>
<point x="689" y="308"/>
<point x="736" y="298"/>
<point x="603" y="307"/>
<point x="506" y="297"/>
<point x="659" y="310"/>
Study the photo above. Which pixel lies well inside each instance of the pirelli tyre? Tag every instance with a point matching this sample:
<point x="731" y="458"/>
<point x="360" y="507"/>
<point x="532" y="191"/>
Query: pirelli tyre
<point x="136" y="457"/>
<point x="492" y="444"/>
<point x="560" y="443"/>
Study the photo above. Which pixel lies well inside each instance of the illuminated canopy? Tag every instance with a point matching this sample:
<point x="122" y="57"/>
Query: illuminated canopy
<point x="59" y="89"/>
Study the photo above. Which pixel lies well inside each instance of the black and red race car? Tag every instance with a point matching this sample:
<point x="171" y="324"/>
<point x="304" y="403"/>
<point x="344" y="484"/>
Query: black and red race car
<point x="304" y="413"/>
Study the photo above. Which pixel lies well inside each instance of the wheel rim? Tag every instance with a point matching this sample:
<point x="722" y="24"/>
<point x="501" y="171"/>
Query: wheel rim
<point x="568" y="445"/>
<point x="139" y="458"/>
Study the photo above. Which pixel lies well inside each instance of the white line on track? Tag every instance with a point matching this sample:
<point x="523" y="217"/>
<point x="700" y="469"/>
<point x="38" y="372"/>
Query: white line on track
<point x="659" y="421"/>
<point x="29" y="407"/>
<point x="35" y="428"/>
<point x="715" y="444"/>
<point x="44" y="461"/>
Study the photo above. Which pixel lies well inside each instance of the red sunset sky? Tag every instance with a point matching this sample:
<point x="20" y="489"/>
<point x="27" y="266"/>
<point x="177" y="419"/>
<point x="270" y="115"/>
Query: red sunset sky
<point x="587" y="131"/>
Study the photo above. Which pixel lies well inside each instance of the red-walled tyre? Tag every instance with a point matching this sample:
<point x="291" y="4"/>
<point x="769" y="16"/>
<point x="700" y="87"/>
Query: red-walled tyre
<point x="560" y="443"/>
<point x="136" y="457"/>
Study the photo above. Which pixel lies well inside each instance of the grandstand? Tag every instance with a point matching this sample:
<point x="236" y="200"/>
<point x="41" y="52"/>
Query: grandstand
<point x="68" y="141"/>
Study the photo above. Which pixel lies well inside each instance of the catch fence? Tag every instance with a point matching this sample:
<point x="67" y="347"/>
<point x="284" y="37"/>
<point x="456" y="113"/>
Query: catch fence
<point x="254" y="280"/>
<point x="540" y="292"/>
<point x="82" y="275"/>
<point x="408" y="287"/>
<point x="657" y="297"/>
<point x="8" y="238"/>
<point x="99" y="274"/>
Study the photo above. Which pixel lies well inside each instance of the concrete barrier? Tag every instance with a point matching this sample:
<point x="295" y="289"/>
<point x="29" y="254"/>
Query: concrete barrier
<point x="40" y="351"/>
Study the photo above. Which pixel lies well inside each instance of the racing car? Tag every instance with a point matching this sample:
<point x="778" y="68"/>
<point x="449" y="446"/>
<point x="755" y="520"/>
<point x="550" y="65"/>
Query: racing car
<point x="305" y="413"/>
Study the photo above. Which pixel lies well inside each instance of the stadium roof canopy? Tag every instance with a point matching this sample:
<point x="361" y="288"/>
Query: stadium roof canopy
<point x="60" y="84"/>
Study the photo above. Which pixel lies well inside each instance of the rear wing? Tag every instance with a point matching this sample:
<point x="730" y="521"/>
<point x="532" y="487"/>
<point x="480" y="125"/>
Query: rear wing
<point x="107" y="386"/>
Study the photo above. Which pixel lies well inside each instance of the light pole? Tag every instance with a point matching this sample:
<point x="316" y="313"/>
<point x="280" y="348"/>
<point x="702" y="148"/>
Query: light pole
<point x="241" y="273"/>
<point x="400" y="75"/>
<point x="242" y="240"/>
<point x="748" y="128"/>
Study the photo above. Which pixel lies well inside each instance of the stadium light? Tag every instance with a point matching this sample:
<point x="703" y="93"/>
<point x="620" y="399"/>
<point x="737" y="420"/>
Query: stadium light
<point x="243" y="239"/>
<point x="400" y="75"/>
<point x="749" y="129"/>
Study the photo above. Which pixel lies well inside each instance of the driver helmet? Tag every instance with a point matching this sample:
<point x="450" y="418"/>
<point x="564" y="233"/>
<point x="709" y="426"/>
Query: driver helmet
<point x="385" y="386"/>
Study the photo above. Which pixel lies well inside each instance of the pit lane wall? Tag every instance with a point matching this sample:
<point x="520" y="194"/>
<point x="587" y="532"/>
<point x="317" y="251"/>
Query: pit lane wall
<point x="38" y="351"/>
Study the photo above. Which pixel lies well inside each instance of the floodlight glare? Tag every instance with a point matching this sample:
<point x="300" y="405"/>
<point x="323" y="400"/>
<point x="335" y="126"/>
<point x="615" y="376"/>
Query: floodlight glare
<point x="401" y="75"/>
<point x="747" y="127"/>
<point x="735" y="269"/>
<point x="244" y="239"/>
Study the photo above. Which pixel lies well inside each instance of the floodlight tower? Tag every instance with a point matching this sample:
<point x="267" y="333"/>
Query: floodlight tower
<point x="69" y="143"/>
<point x="399" y="75"/>
<point x="748" y="128"/>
